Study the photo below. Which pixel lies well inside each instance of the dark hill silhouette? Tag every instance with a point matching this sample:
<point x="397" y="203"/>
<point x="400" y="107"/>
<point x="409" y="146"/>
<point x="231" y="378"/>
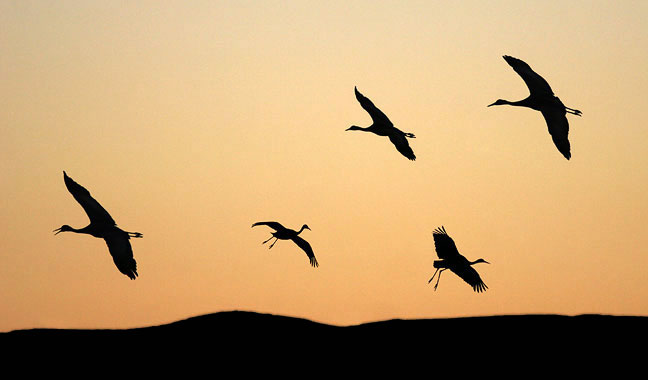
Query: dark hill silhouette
<point x="237" y="324"/>
<point x="243" y="340"/>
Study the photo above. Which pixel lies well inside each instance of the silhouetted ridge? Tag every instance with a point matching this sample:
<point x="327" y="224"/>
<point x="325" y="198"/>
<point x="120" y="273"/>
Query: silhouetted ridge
<point x="233" y="323"/>
<point x="246" y="341"/>
<point x="252" y="341"/>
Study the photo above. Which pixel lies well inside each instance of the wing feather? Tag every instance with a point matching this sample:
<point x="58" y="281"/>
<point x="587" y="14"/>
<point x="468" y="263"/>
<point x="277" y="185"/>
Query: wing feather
<point x="303" y="244"/>
<point x="559" y="129"/>
<point x="97" y="214"/>
<point x="274" y="225"/>
<point x="537" y="85"/>
<point x="376" y="114"/>
<point x="402" y="145"/>
<point x="470" y="276"/>
<point x="444" y="245"/>
<point x="122" y="253"/>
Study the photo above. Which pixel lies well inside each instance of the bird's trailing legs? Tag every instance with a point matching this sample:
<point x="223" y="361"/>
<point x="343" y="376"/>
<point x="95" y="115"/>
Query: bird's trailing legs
<point x="271" y="237"/>
<point x="435" y="272"/>
<point x="135" y="234"/>
<point x="573" y="111"/>
<point x="410" y="135"/>
<point x="438" y="278"/>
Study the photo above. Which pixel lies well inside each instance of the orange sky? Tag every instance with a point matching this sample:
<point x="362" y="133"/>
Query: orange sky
<point x="190" y="122"/>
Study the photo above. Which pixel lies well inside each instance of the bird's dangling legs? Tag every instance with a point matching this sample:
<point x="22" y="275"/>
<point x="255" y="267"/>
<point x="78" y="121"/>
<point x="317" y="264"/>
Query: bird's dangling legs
<point x="135" y="234"/>
<point x="433" y="276"/>
<point x="410" y="135"/>
<point x="438" y="278"/>
<point x="273" y="243"/>
<point x="573" y="111"/>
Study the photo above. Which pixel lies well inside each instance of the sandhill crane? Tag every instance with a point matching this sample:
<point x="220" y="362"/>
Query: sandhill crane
<point x="453" y="260"/>
<point x="103" y="226"/>
<point x="542" y="98"/>
<point x="284" y="233"/>
<point x="382" y="126"/>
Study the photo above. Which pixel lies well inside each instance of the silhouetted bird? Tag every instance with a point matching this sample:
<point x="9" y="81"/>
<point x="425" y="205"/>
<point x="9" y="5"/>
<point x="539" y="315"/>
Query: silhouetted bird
<point x="453" y="260"/>
<point x="103" y="226"/>
<point x="284" y="233"/>
<point x="542" y="99"/>
<point x="382" y="126"/>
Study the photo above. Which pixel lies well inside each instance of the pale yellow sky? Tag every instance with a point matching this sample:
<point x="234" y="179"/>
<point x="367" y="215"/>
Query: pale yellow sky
<point x="190" y="122"/>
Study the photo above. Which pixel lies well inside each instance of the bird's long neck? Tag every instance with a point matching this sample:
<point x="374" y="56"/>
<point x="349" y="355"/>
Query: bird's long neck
<point x="89" y="229"/>
<point x="300" y="230"/>
<point x="519" y="103"/>
<point x="356" y="128"/>
<point x="67" y="228"/>
<point x="84" y="230"/>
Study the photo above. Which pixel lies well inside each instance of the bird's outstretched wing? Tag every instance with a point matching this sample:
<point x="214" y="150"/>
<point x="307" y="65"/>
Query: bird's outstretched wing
<point x="400" y="141"/>
<point x="303" y="244"/>
<point x="537" y="85"/>
<point x="274" y="225"/>
<point x="122" y="253"/>
<point x="470" y="275"/>
<point x="444" y="245"/>
<point x="377" y="115"/>
<point x="559" y="129"/>
<point x="97" y="214"/>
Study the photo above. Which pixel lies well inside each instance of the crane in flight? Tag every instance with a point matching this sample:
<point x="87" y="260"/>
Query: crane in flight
<point x="451" y="259"/>
<point x="382" y="126"/>
<point x="103" y="226"/>
<point x="541" y="98"/>
<point x="284" y="233"/>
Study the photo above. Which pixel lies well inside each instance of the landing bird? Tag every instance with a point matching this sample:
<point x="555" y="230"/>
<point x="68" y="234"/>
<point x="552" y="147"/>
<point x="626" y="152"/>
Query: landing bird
<point x="453" y="260"/>
<point x="284" y="233"/>
<point x="382" y="126"/>
<point x="542" y="99"/>
<point x="103" y="226"/>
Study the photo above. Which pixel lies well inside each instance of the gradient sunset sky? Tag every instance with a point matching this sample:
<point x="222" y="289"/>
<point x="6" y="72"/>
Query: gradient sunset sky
<point x="189" y="121"/>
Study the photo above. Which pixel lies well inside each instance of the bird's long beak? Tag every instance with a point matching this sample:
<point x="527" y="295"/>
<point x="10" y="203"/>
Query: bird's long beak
<point x="492" y="104"/>
<point x="58" y="230"/>
<point x="486" y="262"/>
